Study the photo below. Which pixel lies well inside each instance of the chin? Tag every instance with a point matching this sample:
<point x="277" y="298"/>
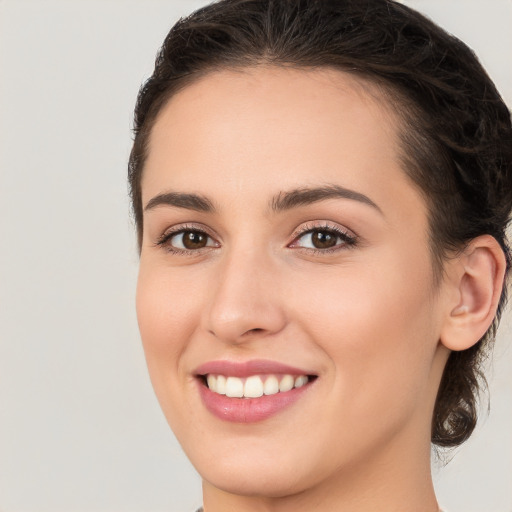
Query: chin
<point x="265" y="467"/>
<point x="274" y="482"/>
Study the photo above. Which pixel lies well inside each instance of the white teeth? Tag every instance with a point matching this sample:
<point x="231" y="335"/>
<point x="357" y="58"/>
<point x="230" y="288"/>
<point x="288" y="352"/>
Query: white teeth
<point x="234" y="387"/>
<point x="221" y="385"/>
<point x="286" y="383"/>
<point x="271" y="386"/>
<point x="212" y="381"/>
<point x="253" y="386"/>
<point x="300" y="381"/>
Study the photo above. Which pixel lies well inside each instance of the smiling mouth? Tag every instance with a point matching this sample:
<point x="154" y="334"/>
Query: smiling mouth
<point x="254" y="386"/>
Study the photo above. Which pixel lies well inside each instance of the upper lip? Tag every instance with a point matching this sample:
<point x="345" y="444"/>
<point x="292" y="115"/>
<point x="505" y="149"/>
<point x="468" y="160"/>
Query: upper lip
<point x="248" y="368"/>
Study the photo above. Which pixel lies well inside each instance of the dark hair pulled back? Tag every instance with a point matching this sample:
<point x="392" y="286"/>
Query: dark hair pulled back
<point x="456" y="131"/>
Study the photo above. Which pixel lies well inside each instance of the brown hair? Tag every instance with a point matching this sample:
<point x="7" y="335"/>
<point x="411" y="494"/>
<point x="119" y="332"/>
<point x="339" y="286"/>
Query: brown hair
<point x="456" y="130"/>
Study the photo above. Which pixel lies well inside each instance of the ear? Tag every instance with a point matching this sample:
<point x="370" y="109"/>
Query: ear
<point x="475" y="278"/>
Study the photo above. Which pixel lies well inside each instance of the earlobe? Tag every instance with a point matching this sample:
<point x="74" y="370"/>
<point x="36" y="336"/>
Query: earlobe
<point x="478" y="275"/>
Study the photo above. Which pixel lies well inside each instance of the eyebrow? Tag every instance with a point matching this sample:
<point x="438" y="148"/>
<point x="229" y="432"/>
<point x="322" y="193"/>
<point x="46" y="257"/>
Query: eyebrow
<point x="305" y="196"/>
<point x="180" y="200"/>
<point x="281" y="202"/>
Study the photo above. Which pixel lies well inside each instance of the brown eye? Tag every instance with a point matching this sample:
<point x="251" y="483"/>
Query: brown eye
<point x="323" y="239"/>
<point x="194" y="240"/>
<point x="190" y="240"/>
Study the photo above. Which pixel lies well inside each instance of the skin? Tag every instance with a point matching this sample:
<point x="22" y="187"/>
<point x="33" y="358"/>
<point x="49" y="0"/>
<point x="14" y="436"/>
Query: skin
<point x="365" y="318"/>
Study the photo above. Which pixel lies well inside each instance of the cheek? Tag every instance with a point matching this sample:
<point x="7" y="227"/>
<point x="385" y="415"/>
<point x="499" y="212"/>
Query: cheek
<point x="167" y="313"/>
<point x="377" y="325"/>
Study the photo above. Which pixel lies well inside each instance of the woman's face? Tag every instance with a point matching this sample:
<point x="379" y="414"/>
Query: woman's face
<point x="283" y="243"/>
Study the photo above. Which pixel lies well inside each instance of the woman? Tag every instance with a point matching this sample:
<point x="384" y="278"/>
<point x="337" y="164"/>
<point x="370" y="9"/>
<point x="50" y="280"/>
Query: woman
<point x="321" y="191"/>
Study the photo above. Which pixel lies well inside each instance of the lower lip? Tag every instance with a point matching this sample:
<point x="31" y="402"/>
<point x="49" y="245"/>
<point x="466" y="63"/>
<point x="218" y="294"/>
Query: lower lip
<point x="249" y="410"/>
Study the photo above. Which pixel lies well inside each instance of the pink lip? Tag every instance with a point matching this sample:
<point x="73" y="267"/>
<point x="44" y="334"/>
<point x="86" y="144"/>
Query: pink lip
<point x="248" y="368"/>
<point x="248" y="410"/>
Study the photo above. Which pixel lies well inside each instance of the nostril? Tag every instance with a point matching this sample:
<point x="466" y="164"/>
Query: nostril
<point x="253" y="331"/>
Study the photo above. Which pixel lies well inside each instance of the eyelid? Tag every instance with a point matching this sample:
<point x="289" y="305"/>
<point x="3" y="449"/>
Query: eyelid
<point x="172" y="231"/>
<point x="188" y="226"/>
<point x="349" y="237"/>
<point x="322" y="224"/>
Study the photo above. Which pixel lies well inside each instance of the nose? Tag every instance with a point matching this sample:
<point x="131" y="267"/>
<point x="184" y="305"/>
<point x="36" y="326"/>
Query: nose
<point x="245" y="300"/>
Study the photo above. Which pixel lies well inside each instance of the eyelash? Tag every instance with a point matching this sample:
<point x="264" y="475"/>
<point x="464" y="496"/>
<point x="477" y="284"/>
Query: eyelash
<point x="164" y="240"/>
<point x="347" y="240"/>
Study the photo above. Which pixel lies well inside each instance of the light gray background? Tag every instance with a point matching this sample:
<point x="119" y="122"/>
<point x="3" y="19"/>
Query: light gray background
<point x="80" y="430"/>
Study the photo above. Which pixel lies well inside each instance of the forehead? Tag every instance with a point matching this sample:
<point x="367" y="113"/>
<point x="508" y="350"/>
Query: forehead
<point x="273" y="107"/>
<point x="317" y="96"/>
<point x="273" y="128"/>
